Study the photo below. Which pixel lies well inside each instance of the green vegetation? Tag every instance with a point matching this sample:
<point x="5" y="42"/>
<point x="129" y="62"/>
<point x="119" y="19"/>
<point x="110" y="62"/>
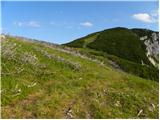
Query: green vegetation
<point x="44" y="81"/>
<point x="122" y="46"/>
<point x="144" y="71"/>
<point x="143" y="32"/>
<point x="121" y="42"/>
<point x="84" y="41"/>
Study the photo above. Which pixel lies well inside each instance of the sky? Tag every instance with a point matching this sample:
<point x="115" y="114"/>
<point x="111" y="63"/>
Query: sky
<point x="61" y="22"/>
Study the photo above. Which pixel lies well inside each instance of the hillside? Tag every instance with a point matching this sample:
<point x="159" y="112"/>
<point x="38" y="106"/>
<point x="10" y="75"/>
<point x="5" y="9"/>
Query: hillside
<point x="42" y="80"/>
<point x="129" y="48"/>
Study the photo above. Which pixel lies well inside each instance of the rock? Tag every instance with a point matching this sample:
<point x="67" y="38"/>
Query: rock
<point x="143" y="38"/>
<point x="139" y="113"/>
<point x="151" y="107"/>
<point x="32" y="85"/>
<point x="105" y="91"/>
<point x="117" y="104"/>
<point x="19" y="90"/>
<point x="69" y="114"/>
<point x="152" y="47"/>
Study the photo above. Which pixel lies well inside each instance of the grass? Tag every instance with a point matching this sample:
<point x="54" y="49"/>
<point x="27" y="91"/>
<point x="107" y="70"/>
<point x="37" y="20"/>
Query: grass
<point x="144" y="71"/>
<point x="51" y="87"/>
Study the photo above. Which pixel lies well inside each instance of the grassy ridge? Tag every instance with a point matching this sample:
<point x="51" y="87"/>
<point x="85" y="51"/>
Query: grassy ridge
<point x="39" y="81"/>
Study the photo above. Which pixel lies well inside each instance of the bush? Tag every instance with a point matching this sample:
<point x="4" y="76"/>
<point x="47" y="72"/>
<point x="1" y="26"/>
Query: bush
<point x="144" y="71"/>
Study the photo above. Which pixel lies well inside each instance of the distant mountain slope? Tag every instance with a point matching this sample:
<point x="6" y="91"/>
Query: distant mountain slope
<point x="121" y="42"/>
<point x="43" y="80"/>
<point x="124" y="43"/>
<point x="137" y="46"/>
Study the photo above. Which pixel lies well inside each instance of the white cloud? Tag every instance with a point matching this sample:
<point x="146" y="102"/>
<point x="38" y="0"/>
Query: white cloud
<point x="144" y="17"/>
<point x="147" y="17"/>
<point x="34" y="24"/>
<point x="19" y="24"/>
<point x="87" y="24"/>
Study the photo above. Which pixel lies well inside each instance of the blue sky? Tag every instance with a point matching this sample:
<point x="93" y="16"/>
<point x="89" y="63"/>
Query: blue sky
<point x="61" y="22"/>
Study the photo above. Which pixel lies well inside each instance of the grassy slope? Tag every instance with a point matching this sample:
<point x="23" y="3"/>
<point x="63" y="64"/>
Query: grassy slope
<point x="54" y="84"/>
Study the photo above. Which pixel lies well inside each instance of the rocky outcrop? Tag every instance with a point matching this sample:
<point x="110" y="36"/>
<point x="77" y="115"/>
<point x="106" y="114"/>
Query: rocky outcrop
<point x="152" y="47"/>
<point x="151" y="41"/>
